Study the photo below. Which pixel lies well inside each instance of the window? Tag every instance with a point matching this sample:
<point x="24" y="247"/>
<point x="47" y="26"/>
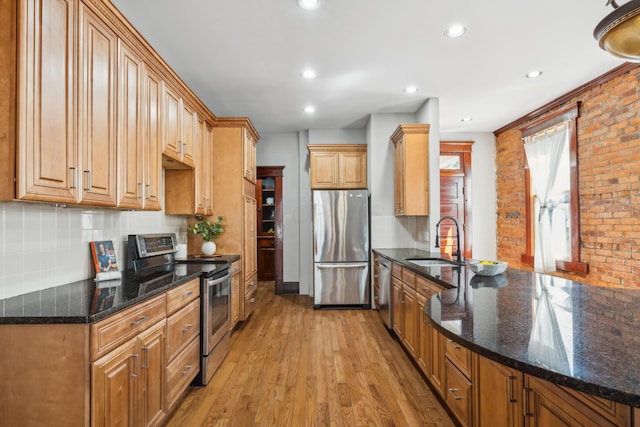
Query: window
<point x="563" y="202"/>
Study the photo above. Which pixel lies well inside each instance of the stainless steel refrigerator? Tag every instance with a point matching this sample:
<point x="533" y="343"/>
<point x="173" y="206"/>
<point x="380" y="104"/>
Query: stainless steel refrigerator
<point x="341" y="248"/>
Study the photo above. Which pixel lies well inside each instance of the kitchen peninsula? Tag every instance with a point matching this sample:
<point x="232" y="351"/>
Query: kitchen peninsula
<point x="562" y="347"/>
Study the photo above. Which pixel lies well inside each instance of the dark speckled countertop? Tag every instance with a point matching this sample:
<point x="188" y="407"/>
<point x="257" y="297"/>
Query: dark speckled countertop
<point x="87" y="301"/>
<point x="581" y="336"/>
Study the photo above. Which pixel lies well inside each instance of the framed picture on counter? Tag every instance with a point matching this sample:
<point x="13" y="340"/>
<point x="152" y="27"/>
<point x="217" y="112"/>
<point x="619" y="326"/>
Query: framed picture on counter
<point x="104" y="260"/>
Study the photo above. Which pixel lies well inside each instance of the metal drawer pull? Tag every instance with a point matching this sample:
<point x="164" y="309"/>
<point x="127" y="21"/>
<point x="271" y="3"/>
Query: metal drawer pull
<point x="186" y="328"/>
<point x="139" y="321"/>
<point x="187" y="369"/>
<point x="146" y="358"/>
<point x="187" y="294"/>
<point x="452" y="391"/>
<point x="252" y="300"/>
<point x="457" y="347"/>
<point x="512" y="398"/>
<point x="525" y="406"/>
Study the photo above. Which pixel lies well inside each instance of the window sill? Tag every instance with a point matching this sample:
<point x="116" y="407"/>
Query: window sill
<point x="581" y="268"/>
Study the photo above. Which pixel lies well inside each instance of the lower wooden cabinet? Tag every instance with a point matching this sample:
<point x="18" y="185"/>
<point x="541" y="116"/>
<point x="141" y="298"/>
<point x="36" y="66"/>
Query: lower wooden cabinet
<point x="550" y="405"/>
<point x="458" y="394"/>
<point x="181" y="371"/>
<point x="497" y="394"/>
<point x="250" y="295"/>
<point x="128" y="382"/>
<point x="236" y="299"/>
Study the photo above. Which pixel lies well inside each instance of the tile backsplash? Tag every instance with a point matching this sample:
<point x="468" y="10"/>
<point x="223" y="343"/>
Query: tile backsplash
<point x="43" y="246"/>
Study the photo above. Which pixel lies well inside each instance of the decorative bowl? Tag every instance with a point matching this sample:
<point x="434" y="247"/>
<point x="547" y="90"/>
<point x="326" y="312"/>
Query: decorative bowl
<point x="488" y="268"/>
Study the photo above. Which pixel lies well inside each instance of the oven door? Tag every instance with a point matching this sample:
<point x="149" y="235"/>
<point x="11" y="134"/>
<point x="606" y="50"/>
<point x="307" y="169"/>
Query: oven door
<point x="215" y="311"/>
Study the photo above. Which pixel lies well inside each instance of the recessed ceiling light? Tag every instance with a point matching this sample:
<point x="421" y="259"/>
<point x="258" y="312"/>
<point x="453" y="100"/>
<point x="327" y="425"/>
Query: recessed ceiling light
<point x="309" y="74"/>
<point x="466" y="119"/>
<point x="309" y="109"/>
<point x="533" y="74"/>
<point x="456" y="30"/>
<point x="309" y="4"/>
<point x="411" y="89"/>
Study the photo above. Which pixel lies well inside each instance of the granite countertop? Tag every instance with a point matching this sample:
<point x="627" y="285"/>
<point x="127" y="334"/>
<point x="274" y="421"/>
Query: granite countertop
<point x="87" y="301"/>
<point x="577" y="335"/>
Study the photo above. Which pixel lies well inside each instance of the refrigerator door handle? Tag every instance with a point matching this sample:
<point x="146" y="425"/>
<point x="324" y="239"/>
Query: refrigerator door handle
<point x="360" y="266"/>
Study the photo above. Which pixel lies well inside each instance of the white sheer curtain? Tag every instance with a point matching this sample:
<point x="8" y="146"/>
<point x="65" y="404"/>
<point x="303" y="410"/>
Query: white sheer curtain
<point x="543" y="151"/>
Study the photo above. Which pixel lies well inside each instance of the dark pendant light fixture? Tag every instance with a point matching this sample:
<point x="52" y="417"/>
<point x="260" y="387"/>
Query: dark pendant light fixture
<point x="619" y="32"/>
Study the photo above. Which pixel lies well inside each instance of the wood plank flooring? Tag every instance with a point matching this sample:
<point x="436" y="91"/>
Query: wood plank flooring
<point x="291" y="365"/>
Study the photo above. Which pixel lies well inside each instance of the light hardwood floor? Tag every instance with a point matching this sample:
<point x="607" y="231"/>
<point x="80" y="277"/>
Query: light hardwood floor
<point x="291" y="365"/>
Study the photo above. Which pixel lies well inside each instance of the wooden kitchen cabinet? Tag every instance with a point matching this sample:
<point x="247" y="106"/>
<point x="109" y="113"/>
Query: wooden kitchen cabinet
<point x="97" y="124"/>
<point x="152" y="92"/>
<point x="47" y="145"/>
<point x="497" y="394"/>
<point x="405" y="309"/>
<point x="236" y="299"/>
<point x="179" y="129"/>
<point x="548" y="404"/>
<point x="411" y="170"/>
<point x="128" y="383"/>
<point x="458" y="394"/>
<point x="249" y="142"/>
<point x="236" y="203"/>
<point x="338" y="166"/>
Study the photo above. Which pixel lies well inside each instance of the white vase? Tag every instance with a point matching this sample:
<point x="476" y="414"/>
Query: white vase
<point x="208" y="248"/>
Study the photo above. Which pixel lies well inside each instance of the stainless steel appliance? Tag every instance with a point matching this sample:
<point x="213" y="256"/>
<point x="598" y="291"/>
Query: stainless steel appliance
<point x="150" y="257"/>
<point x="341" y="248"/>
<point x="382" y="283"/>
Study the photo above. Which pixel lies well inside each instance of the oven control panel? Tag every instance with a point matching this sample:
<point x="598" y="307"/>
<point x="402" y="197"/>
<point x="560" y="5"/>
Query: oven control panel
<point x="148" y="245"/>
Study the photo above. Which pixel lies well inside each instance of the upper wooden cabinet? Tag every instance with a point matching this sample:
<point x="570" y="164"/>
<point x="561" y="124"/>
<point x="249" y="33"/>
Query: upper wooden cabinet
<point x="47" y="154"/>
<point x="411" y="170"/>
<point x="338" y="166"/>
<point x="249" y="155"/>
<point x="90" y="107"/>
<point x="97" y="64"/>
<point x="179" y="128"/>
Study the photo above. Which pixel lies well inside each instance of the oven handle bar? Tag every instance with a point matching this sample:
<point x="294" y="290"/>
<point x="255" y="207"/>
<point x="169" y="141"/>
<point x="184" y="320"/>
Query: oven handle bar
<point x="213" y="282"/>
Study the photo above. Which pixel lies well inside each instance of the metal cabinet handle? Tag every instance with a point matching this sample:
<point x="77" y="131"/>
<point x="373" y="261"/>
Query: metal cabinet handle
<point x="74" y="177"/>
<point x="148" y="193"/>
<point x="139" y="321"/>
<point x="452" y="391"/>
<point x="512" y="398"/>
<point x="252" y="300"/>
<point x="146" y="358"/>
<point x="187" y="294"/>
<point x="525" y="406"/>
<point x="186" y="328"/>
<point x="135" y="365"/>
<point x="89" y="184"/>
<point x="457" y="347"/>
<point x="187" y="369"/>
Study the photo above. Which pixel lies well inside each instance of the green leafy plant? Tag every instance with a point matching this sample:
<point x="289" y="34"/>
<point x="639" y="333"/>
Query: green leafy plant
<point x="208" y="230"/>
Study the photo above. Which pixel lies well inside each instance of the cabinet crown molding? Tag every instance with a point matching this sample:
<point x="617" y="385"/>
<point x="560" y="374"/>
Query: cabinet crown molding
<point x="405" y="129"/>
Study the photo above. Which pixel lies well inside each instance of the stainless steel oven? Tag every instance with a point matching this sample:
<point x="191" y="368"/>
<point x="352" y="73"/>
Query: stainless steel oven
<point x="215" y="323"/>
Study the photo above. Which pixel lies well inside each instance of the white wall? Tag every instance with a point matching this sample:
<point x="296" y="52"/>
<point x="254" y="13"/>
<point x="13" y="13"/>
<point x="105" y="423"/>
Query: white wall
<point x="42" y="246"/>
<point x="281" y="149"/>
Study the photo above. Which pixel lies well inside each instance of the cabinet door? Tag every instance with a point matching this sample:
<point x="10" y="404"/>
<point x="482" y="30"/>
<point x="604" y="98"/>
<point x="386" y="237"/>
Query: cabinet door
<point x="172" y="109"/>
<point x="396" y="301"/>
<point x="97" y="109"/>
<point x="46" y="128"/>
<point x="423" y="348"/>
<point x="250" y="244"/>
<point x="398" y="177"/>
<point x="113" y="381"/>
<point x="498" y="394"/>
<point x="207" y="164"/>
<point x="249" y="156"/>
<point x="151" y="390"/>
<point x="130" y="146"/>
<point x="352" y="170"/>
<point x="459" y="394"/>
<point x="410" y="309"/>
<point x="152" y="139"/>
<point x="323" y="170"/>
<point x="435" y="366"/>
<point x="189" y="124"/>
<point x="235" y="299"/>
<point x="199" y="169"/>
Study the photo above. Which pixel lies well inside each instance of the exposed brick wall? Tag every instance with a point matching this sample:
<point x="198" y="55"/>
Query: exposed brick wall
<point x="609" y="180"/>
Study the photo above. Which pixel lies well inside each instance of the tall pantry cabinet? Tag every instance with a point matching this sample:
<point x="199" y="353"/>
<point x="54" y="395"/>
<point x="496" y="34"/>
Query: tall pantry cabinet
<point x="234" y="178"/>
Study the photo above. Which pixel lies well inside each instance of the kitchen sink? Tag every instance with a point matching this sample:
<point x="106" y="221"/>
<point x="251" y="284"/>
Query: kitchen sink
<point x="431" y="262"/>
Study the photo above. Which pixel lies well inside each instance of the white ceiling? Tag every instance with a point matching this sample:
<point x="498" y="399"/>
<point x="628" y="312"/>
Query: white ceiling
<point x="245" y="57"/>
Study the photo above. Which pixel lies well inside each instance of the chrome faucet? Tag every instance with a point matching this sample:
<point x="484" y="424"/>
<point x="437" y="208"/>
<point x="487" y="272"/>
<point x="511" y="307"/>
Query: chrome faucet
<point x="458" y="254"/>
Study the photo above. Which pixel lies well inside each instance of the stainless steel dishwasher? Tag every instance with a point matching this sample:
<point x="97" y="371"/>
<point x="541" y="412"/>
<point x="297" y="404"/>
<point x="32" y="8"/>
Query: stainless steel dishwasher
<point x="382" y="288"/>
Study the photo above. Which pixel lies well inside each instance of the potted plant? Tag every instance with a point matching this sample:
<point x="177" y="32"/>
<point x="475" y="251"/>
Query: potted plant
<point x="209" y="231"/>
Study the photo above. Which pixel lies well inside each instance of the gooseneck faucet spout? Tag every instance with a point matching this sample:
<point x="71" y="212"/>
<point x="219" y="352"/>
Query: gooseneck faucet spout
<point x="458" y="254"/>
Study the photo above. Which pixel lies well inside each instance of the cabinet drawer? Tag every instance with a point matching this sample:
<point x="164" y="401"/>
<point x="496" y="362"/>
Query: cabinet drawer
<point x="266" y="243"/>
<point x="426" y="287"/>
<point x="182" y="295"/>
<point x="109" y="333"/>
<point x="396" y="270"/>
<point x="459" y="356"/>
<point x="182" y="371"/>
<point x="249" y="302"/>
<point x="459" y="394"/>
<point x="409" y="277"/>
<point x="182" y="327"/>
